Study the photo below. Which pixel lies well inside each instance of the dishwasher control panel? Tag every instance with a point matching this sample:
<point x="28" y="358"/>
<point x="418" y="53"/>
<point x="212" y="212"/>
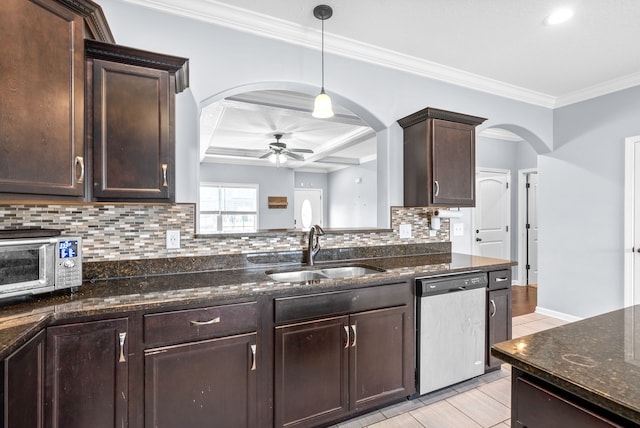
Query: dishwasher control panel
<point x="439" y="284"/>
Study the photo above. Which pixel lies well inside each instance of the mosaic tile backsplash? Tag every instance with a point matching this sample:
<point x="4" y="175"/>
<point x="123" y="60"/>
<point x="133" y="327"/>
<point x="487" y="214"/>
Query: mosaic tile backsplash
<point x="125" y="231"/>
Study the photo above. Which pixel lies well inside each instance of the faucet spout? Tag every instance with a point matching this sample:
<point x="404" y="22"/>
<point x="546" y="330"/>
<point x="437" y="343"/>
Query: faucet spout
<point x="314" y="243"/>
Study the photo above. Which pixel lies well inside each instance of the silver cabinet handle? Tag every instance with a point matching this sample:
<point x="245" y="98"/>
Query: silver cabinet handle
<point x="253" y="357"/>
<point x="493" y="308"/>
<point x="502" y="279"/>
<point x="435" y="183"/>
<point x="123" y="337"/>
<point x="164" y="175"/>
<point x="212" y="321"/>
<point x="346" y="330"/>
<point x="355" y="335"/>
<point x="80" y="161"/>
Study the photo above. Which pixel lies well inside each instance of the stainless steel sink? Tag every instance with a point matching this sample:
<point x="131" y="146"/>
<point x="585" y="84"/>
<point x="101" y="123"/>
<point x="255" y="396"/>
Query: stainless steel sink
<point x="349" y="271"/>
<point x="339" y="272"/>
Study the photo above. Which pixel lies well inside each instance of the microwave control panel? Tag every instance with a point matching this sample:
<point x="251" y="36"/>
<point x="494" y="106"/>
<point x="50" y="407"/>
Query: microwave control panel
<point x="68" y="262"/>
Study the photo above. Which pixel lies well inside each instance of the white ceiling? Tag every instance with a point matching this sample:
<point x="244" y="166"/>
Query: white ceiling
<point x="498" y="46"/>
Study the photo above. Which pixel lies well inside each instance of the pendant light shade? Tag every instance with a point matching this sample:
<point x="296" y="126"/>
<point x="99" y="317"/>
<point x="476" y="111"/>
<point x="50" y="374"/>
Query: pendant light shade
<point x="322" y="108"/>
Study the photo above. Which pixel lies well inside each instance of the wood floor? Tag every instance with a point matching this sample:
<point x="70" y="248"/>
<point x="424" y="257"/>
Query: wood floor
<point x="524" y="299"/>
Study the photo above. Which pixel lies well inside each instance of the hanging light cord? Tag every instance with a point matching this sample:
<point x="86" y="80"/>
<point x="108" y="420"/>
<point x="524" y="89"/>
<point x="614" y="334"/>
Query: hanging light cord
<point x="322" y="90"/>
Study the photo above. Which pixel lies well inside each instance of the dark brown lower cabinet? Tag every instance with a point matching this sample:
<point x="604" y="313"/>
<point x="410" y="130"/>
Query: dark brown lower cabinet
<point x="24" y="385"/>
<point x="311" y="372"/>
<point x="202" y="384"/>
<point x="498" y="322"/>
<point x="327" y="368"/>
<point x="536" y="406"/>
<point x="87" y="375"/>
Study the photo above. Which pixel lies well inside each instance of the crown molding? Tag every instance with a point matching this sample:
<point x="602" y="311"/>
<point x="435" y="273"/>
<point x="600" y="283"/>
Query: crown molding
<point x="236" y="18"/>
<point x="500" y="134"/>
<point x="598" y="90"/>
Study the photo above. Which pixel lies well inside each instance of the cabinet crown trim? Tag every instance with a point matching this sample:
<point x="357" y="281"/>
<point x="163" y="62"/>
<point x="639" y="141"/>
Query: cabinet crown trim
<point x="433" y="113"/>
<point x="126" y="55"/>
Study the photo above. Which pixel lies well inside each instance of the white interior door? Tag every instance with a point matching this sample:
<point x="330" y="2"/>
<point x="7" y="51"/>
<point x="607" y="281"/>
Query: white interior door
<point x="307" y="204"/>
<point x="632" y="221"/>
<point x="492" y="215"/>
<point x="532" y="228"/>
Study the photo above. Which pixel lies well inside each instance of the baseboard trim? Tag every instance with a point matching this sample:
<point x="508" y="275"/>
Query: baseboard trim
<point x="556" y="314"/>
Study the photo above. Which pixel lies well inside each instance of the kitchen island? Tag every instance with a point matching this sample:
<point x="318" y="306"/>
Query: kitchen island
<point x="586" y="373"/>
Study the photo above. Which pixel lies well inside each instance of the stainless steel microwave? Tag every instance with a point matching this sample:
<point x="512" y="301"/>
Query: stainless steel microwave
<point x="39" y="265"/>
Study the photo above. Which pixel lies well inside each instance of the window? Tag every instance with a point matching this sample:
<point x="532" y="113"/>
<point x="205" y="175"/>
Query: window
<point x="228" y="208"/>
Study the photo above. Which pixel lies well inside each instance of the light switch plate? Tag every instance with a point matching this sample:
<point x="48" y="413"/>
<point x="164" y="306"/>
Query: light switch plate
<point x="458" y="229"/>
<point x="405" y="231"/>
<point x="173" y="239"/>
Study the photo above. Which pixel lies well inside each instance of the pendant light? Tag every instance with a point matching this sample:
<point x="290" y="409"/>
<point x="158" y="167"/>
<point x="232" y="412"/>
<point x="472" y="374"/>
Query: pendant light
<point x="322" y="106"/>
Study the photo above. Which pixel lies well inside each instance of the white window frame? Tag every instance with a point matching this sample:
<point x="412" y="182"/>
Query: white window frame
<point x="220" y="212"/>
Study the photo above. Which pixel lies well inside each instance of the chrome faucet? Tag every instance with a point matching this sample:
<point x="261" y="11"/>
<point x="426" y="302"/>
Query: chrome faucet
<point x="314" y="243"/>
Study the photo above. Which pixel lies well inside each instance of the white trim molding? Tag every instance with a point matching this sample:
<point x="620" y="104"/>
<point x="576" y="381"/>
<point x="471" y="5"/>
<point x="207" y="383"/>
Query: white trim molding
<point x="556" y="314"/>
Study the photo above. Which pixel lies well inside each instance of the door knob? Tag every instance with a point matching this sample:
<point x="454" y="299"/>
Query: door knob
<point x="478" y="239"/>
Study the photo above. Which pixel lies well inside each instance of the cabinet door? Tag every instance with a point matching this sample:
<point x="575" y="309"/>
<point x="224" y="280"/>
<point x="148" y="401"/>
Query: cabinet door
<point x="133" y="146"/>
<point x="454" y="163"/>
<point x="202" y="384"/>
<point x="42" y="107"/>
<point x="381" y="356"/>
<point x="87" y="375"/>
<point x="311" y="367"/>
<point x="24" y="385"/>
<point x="498" y="322"/>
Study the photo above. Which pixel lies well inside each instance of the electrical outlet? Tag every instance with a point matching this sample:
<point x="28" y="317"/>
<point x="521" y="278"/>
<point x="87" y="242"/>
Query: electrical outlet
<point x="405" y="231"/>
<point x="458" y="229"/>
<point x="173" y="239"/>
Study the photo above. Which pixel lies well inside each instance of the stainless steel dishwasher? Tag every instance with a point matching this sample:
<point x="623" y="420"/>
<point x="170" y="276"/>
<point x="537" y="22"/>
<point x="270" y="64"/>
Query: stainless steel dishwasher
<point x="450" y="329"/>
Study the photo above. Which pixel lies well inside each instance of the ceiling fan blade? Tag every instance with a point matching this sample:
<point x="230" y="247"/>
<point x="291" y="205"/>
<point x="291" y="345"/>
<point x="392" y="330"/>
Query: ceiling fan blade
<point x="293" y="155"/>
<point x="266" y="155"/>
<point x="301" y="150"/>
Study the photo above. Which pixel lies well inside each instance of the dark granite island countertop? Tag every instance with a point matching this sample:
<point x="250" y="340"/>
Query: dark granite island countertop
<point x="20" y="321"/>
<point x="596" y="359"/>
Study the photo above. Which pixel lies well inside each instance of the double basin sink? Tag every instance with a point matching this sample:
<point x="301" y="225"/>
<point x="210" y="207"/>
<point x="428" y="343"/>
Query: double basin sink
<point x="339" y="272"/>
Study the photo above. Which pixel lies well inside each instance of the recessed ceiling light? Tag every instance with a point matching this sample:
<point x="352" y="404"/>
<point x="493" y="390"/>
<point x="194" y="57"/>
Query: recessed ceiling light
<point x="559" y="16"/>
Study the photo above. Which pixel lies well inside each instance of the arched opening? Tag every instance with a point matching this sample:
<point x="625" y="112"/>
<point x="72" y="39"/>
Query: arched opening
<point x="263" y="135"/>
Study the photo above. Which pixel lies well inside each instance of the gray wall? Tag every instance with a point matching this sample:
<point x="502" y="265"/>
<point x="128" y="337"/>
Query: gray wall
<point x="353" y="204"/>
<point x="580" y="193"/>
<point x="581" y="199"/>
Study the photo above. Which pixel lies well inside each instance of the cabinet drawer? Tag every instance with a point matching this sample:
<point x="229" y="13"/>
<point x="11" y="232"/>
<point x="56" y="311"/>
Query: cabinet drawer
<point x="196" y="324"/>
<point x="300" y="308"/>
<point x="499" y="279"/>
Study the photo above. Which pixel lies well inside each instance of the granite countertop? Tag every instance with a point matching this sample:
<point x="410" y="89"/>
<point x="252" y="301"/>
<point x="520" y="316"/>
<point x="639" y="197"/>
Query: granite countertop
<point x="597" y="359"/>
<point x="21" y="320"/>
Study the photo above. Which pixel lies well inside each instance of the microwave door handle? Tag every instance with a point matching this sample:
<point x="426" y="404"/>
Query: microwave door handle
<point x="16" y="242"/>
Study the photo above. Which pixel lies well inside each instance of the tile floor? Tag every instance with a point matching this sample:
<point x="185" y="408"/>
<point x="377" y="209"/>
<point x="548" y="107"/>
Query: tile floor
<point x="480" y="402"/>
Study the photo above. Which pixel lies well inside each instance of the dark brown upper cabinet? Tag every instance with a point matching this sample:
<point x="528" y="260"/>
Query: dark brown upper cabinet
<point x="42" y="107"/>
<point x="439" y="158"/>
<point x="130" y="122"/>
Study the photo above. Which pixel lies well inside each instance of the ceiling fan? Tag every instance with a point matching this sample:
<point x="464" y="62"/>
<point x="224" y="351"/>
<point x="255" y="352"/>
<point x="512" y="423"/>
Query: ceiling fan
<point x="278" y="152"/>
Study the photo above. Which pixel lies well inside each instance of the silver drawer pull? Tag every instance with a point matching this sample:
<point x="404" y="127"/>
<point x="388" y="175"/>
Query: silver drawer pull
<point x="123" y="337"/>
<point x="164" y="175"/>
<point x="80" y="161"/>
<point x="216" y="320"/>
<point x="346" y="330"/>
<point x="503" y="279"/>
<point x="437" y="186"/>
<point x="355" y="335"/>
<point x="253" y="357"/>
<point x="493" y="308"/>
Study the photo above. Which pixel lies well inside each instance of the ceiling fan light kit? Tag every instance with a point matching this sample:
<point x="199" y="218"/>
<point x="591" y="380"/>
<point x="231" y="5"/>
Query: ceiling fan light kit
<point x="322" y="108"/>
